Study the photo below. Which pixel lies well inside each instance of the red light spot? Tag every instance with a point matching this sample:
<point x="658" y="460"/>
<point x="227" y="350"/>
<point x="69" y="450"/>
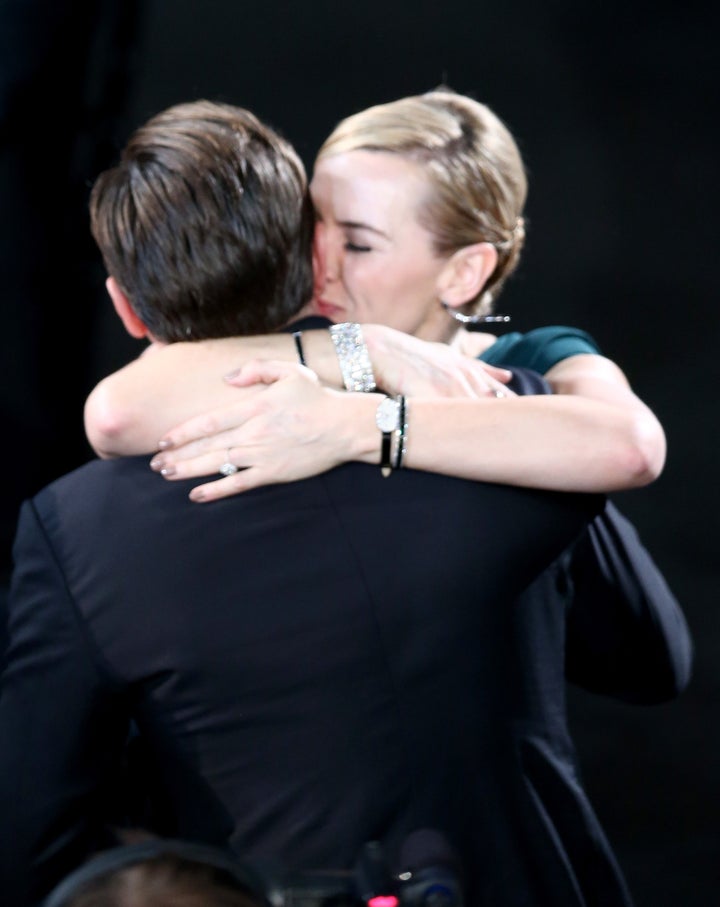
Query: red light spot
<point x="383" y="900"/>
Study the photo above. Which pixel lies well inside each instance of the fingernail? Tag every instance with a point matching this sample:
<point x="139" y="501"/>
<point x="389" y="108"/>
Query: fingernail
<point x="168" y="471"/>
<point x="164" y="444"/>
<point x="197" y="495"/>
<point x="231" y="375"/>
<point x="157" y="463"/>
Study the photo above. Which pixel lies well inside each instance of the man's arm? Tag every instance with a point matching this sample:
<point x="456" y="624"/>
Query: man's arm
<point x="62" y="725"/>
<point x="626" y="634"/>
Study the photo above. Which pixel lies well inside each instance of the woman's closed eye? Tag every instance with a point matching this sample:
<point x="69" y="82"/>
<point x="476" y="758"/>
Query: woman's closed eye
<point x="356" y="247"/>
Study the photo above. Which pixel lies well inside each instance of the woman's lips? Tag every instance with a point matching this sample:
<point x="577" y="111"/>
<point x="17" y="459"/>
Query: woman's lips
<point x="327" y="309"/>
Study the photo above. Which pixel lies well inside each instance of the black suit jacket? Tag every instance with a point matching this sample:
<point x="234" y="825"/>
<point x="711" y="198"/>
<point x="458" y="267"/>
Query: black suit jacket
<point x="625" y="633"/>
<point x="312" y="666"/>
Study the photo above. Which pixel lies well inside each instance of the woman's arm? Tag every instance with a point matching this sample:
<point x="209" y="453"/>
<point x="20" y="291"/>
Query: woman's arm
<point x="589" y="376"/>
<point x="130" y="410"/>
<point x="605" y="426"/>
<point x="594" y="436"/>
<point x="296" y="428"/>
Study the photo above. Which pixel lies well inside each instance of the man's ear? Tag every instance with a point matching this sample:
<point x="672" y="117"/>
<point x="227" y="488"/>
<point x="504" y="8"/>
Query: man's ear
<point x="466" y="273"/>
<point x="132" y="324"/>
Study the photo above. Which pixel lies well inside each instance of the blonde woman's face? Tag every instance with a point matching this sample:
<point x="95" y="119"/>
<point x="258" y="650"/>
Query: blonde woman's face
<point x="379" y="264"/>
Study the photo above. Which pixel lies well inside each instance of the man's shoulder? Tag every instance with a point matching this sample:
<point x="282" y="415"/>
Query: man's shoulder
<point x="124" y="496"/>
<point x="527" y="382"/>
<point x="102" y="495"/>
<point x="124" y="500"/>
<point x="93" y="475"/>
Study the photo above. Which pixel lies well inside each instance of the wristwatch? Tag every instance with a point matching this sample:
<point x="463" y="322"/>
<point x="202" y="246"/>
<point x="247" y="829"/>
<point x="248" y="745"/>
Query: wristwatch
<point x="387" y="419"/>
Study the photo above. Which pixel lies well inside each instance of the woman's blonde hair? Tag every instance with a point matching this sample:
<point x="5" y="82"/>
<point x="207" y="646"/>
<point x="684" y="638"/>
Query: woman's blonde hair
<point x="473" y="165"/>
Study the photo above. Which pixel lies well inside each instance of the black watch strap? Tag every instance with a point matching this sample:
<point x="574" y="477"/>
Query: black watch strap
<point x="387" y="419"/>
<point x="385" y="445"/>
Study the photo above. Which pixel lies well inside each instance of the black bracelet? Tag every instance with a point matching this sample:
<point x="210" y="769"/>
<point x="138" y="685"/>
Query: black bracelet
<point x="387" y="420"/>
<point x="298" y="346"/>
<point x="401" y="432"/>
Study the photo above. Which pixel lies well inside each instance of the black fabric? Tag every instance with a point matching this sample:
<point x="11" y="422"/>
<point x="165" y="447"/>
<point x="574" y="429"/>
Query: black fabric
<point x="307" y="323"/>
<point x="626" y="633"/>
<point x="311" y="665"/>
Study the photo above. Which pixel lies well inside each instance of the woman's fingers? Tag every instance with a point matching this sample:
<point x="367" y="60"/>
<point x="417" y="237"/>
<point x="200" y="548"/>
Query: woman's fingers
<point x="267" y="371"/>
<point x="503" y="375"/>
<point x="264" y="433"/>
<point x="487" y="380"/>
<point x="229" y="486"/>
<point x="207" y="426"/>
<point x="416" y="368"/>
<point x="497" y="389"/>
<point x="198" y="464"/>
<point x="259" y="372"/>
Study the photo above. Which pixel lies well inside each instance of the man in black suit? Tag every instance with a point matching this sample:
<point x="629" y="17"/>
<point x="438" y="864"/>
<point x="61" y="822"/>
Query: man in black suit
<point x="311" y="665"/>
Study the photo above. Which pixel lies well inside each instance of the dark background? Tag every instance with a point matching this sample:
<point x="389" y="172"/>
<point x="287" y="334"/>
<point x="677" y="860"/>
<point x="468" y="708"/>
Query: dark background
<point x="614" y="106"/>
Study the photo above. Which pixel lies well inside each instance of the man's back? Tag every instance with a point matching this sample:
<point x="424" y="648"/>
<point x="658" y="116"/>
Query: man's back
<point x="312" y="665"/>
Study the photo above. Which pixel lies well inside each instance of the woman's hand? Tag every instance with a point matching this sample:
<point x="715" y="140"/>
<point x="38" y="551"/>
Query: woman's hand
<point x="290" y="429"/>
<point x="406" y="365"/>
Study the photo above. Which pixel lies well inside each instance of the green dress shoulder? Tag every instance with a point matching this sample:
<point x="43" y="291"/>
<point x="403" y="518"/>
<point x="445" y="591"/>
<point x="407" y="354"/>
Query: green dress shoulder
<point x="540" y="348"/>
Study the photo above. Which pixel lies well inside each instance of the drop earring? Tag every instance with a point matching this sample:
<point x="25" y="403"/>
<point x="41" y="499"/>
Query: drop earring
<point x="473" y="320"/>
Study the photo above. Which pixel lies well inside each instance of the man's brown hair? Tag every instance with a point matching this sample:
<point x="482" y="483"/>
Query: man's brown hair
<point x="206" y="224"/>
<point x="164" y="881"/>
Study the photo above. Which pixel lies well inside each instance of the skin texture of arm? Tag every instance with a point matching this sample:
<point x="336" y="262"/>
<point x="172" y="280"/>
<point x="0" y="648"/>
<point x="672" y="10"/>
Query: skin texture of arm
<point x="595" y="435"/>
<point x="130" y="410"/>
<point x="296" y="427"/>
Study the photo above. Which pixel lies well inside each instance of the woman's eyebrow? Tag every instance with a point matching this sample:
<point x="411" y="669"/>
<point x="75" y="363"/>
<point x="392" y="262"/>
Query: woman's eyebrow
<point x="359" y="225"/>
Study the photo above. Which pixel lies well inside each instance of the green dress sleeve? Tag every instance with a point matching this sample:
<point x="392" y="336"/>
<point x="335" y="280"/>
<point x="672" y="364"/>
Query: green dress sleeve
<point x="539" y="349"/>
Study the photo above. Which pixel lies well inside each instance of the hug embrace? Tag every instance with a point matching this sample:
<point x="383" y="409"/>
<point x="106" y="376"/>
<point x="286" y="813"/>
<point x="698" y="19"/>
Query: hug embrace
<point x="366" y="623"/>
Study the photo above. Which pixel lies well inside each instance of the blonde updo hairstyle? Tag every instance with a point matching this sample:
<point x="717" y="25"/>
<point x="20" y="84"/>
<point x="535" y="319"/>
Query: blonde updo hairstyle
<point x="475" y="171"/>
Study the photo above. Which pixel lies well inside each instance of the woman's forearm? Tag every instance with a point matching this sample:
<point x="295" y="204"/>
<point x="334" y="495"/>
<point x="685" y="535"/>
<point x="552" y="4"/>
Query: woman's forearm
<point x="130" y="410"/>
<point x="297" y="429"/>
<point x="593" y="436"/>
<point x="559" y="443"/>
<point x="562" y="443"/>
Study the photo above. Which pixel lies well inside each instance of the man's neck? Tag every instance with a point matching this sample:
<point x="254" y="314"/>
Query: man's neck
<point x="153" y="346"/>
<point x="307" y="313"/>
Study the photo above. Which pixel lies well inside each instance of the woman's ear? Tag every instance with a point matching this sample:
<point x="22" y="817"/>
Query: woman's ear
<point x="466" y="273"/>
<point x="132" y="324"/>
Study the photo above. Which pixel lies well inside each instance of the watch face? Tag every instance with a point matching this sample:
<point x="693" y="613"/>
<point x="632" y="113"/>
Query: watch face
<point x="388" y="415"/>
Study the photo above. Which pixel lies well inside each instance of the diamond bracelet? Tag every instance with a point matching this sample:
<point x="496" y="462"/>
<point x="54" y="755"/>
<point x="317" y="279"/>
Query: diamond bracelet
<point x="353" y="357"/>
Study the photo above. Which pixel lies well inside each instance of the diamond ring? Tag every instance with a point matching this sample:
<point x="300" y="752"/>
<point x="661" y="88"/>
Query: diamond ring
<point x="228" y="468"/>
